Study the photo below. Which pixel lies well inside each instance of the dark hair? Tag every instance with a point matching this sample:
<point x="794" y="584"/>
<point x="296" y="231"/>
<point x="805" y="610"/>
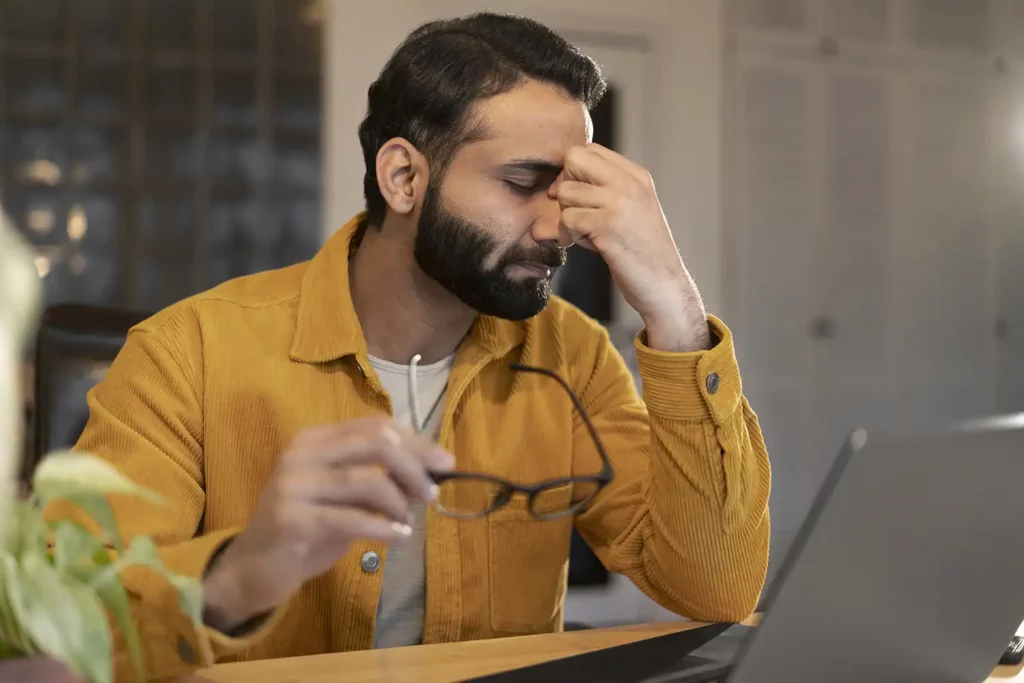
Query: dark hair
<point x="425" y="91"/>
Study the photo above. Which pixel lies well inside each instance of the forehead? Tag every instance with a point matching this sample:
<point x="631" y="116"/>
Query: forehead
<point x="534" y="120"/>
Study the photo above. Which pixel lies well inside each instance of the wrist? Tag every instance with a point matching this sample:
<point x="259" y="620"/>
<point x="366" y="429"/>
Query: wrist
<point x="226" y="602"/>
<point x="680" y="326"/>
<point x="677" y="338"/>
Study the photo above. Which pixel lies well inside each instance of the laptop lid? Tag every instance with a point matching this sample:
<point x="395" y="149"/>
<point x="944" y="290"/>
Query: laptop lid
<point x="644" y="661"/>
<point x="907" y="568"/>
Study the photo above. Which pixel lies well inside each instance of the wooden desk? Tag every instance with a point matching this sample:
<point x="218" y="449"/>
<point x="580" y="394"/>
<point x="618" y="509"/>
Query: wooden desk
<point x="449" y="662"/>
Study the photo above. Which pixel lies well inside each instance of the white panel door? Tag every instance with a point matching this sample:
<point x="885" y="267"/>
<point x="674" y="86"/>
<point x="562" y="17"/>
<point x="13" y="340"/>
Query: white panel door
<point x="851" y="265"/>
<point x="789" y="16"/>
<point x="942" y="287"/>
<point x="773" y="205"/>
<point x="866" y="23"/>
<point x="953" y="26"/>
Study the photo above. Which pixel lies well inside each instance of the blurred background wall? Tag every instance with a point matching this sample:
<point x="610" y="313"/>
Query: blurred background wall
<point x="843" y="177"/>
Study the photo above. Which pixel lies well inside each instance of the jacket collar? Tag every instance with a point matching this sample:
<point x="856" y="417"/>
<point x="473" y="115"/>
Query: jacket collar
<point x="327" y="328"/>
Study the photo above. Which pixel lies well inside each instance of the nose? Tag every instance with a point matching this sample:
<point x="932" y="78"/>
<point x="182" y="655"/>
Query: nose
<point x="548" y="225"/>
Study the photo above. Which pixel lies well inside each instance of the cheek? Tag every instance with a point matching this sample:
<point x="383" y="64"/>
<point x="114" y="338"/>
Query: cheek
<point x="492" y="209"/>
<point x="486" y="204"/>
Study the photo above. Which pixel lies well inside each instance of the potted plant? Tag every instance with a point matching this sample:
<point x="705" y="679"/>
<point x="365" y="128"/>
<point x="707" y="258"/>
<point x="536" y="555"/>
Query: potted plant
<point x="60" y="590"/>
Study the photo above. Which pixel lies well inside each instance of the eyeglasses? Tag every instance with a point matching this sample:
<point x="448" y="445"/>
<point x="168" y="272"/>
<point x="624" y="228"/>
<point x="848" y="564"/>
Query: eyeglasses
<point x="469" y="495"/>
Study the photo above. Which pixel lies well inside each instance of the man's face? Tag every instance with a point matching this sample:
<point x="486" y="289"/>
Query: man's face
<point x="489" y="230"/>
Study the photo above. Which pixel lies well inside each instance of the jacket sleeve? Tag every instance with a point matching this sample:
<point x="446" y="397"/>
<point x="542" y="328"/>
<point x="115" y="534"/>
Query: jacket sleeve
<point x="686" y="514"/>
<point x="146" y="419"/>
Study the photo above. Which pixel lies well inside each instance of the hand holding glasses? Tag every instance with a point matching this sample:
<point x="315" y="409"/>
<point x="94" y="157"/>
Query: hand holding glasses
<point x="356" y="481"/>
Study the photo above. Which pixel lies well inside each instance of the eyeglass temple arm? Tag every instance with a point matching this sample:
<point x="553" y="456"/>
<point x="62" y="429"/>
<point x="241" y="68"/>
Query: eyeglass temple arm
<point x="607" y="472"/>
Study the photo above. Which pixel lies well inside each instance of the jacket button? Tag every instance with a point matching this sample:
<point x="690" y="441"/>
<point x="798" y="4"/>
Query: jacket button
<point x="370" y="562"/>
<point x="185" y="651"/>
<point x="713" y="382"/>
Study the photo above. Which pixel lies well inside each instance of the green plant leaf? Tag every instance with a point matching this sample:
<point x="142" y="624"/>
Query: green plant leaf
<point x="64" y="619"/>
<point x="98" y="508"/>
<point x="114" y="597"/>
<point x="95" y="659"/>
<point x="11" y="635"/>
<point x="43" y="606"/>
<point x="28" y="532"/>
<point x="7" y="651"/>
<point x="69" y="474"/>
<point x="75" y="550"/>
<point x="85" y="481"/>
<point x="190" y="597"/>
<point x="84" y="557"/>
<point x="142" y="551"/>
<point x="56" y="601"/>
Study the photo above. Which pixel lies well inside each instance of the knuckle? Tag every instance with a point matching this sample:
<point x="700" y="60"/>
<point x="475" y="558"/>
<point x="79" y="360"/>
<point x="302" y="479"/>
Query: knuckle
<point x="387" y="438"/>
<point x="635" y="188"/>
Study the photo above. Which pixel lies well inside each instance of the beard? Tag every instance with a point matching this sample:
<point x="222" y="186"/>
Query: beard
<point x="453" y="251"/>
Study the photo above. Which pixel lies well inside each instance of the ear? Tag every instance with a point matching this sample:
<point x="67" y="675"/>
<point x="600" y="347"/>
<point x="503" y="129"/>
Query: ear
<point x="402" y="175"/>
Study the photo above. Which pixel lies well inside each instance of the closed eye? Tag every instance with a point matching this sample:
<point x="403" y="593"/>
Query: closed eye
<point x="524" y="189"/>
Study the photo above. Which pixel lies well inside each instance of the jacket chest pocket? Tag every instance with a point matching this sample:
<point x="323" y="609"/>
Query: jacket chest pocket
<point x="528" y="564"/>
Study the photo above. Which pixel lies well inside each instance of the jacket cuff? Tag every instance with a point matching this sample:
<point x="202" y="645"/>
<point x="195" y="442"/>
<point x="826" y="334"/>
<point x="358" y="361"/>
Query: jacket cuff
<point x="694" y="386"/>
<point x="171" y="642"/>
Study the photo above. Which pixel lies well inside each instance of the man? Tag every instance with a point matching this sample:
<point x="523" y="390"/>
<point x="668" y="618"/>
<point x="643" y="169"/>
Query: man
<point x="315" y="427"/>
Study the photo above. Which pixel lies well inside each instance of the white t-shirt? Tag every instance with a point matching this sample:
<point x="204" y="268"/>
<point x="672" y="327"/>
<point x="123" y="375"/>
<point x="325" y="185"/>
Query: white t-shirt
<point x="403" y="592"/>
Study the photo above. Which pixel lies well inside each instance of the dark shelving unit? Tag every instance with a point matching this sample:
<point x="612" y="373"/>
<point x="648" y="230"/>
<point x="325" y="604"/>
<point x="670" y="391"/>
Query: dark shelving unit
<point x="150" y="149"/>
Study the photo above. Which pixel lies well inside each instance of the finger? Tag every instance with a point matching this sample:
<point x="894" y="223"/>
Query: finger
<point x="370" y="441"/>
<point x="576" y="194"/>
<point x="586" y="244"/>
<point x="409" y="457"/>
<point x="369" y="488"/>
<point x="619" y="161"/>
<point x="337" y="442"/>
<point x="351" y="523"/>
<point x="586" y="165"/>
<point x="406" y="456"/>
<point x="580" y="224"/>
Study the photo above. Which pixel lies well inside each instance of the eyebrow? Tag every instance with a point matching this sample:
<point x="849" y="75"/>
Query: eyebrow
<point x="534" y="165"/>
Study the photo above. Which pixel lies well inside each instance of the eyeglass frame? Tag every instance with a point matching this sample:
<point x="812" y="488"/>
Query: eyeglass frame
<point x="531" y="491"/>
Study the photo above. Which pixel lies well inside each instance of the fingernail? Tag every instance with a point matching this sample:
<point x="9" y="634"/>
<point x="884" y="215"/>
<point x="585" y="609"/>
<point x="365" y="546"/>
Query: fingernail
<point x="403" y="529"/>
<point x="434" y="491"/>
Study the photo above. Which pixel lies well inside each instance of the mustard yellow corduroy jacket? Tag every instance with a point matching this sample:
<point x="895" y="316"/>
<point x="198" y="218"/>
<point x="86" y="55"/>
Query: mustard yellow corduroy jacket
<point x="206" y="395"/>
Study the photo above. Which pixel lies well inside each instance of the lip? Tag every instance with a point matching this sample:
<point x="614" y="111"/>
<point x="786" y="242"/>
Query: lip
<point x="534" y="269"/>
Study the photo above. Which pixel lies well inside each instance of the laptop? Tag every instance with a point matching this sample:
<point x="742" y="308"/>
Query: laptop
<point x="908" y="567"/>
